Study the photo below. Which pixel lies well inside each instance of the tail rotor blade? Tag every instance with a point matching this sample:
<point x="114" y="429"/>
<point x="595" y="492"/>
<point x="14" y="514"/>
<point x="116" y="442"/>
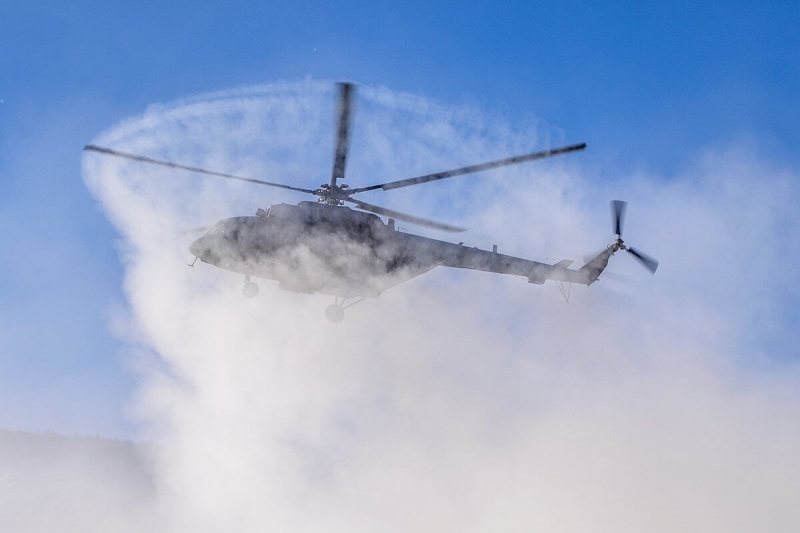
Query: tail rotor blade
<point x="648" y="262"/>
<point x="618" y="208"/>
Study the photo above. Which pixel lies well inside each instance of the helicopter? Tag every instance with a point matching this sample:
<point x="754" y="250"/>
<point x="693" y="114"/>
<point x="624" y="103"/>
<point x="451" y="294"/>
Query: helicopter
<point x="329" y="248"/>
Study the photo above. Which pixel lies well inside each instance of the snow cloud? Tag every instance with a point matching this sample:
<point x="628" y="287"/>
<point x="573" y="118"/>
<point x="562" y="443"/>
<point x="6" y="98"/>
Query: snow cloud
<point x="460" y="401"/>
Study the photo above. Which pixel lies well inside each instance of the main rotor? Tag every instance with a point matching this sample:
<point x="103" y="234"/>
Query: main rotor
<point x="336" y="194"/>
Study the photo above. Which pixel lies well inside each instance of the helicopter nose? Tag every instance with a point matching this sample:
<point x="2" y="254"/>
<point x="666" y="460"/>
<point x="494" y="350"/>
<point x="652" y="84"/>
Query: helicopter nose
<point x="204" y="249"/>
<point x="199" y="247"/>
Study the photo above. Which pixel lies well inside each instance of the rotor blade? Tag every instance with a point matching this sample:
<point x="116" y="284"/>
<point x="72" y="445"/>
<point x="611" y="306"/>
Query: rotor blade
<point x="618" y="208"/>
<point x="402" y="216"/>
<point x="470" y="169"/>
<point x="648" y="262"/>
<point x="342" y="132"/>
<point x="108" y="151"/>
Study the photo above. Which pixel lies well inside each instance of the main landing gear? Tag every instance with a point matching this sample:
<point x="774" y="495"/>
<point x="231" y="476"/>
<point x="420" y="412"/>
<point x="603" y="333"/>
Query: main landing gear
<point x="250" y="289"/>
<point x="335" y="311"/>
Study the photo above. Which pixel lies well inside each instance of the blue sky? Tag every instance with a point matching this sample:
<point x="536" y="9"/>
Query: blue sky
<point x="648" y="87"/>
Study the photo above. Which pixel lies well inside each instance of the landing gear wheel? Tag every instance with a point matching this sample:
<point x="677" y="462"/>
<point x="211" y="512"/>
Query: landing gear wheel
<point x="250" y="289"/>
<point x="335" y="313"/>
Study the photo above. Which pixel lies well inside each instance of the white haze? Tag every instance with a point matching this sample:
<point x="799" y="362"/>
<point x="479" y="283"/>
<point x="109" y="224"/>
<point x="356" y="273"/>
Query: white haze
<point x="51" y="483"/>
<point x="459" y="401"/>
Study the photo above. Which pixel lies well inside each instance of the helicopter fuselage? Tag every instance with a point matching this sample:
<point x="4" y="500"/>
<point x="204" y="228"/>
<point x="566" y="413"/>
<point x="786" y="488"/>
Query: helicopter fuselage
<point x="318" y="248"/>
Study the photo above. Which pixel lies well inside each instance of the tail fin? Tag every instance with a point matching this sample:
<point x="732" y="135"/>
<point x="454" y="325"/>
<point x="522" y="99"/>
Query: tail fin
<point x="592" y="270"/>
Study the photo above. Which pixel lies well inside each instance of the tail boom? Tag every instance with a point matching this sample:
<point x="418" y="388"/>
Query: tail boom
<point x="536" y="272"/>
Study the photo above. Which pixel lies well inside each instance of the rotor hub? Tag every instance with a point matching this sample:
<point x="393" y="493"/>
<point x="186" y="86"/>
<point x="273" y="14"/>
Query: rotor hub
<point x="333" y="195"/>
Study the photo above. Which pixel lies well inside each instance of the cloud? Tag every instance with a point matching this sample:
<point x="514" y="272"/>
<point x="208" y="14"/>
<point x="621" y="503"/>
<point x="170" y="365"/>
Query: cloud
<point x="51" y="483"/>
<point x="460" y="400"/>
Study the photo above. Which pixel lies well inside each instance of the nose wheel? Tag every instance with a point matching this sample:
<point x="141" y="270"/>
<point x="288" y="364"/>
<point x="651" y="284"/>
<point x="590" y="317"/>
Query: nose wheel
<point x="250" y="289"/>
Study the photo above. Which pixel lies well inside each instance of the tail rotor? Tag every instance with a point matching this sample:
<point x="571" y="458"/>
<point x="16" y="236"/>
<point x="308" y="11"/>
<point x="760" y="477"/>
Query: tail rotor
<point x="618" y="209"/>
